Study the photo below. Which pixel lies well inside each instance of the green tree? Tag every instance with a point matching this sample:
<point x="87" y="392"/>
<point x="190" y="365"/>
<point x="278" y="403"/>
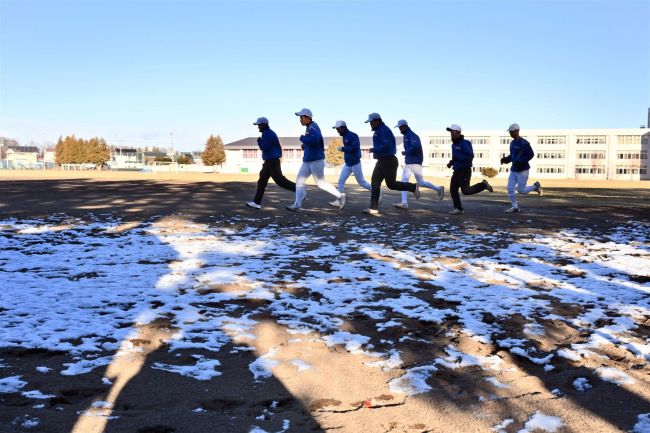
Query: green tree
<point x="333" y="156"/>
<point x="214" y="152"/>
<point x="185" y="159"/>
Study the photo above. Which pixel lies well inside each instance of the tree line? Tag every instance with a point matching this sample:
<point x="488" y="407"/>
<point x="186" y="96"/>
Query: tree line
<point x="73" y="150"/>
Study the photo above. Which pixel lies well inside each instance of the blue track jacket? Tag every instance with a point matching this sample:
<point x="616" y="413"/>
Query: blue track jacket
<point x="312" y="142"/>
<point x="383" y="142"/>
<point x="270" y="145"/>
<point x="351" y="149"/>
<point x="520" y="153"/>
<point x="412" y="148"/>
<point x="462" y="153"/>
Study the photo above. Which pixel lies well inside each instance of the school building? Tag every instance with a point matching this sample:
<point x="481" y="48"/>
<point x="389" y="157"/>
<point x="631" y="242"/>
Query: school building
<point x="599" y="154"/>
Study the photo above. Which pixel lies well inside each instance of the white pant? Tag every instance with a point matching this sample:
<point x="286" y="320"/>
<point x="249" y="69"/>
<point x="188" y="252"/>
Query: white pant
<point x="415" y="170"/>
<point x="518" y="180"/>
<point x="316" y="169"/>
<point x="346" y="171"/>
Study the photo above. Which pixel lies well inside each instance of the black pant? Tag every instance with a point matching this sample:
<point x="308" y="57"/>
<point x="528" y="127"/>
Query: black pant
<point x="460" y="179"/>
<point x="272" y="169"/>
<point x="386" y="169"/>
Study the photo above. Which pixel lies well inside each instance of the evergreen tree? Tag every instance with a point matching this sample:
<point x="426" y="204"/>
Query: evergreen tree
<point x="332" y="155"/>
<point x="214" y="152"/>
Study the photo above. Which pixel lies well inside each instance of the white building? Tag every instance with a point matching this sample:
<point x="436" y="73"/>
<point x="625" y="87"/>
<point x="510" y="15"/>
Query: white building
<point x="613" y="154"/>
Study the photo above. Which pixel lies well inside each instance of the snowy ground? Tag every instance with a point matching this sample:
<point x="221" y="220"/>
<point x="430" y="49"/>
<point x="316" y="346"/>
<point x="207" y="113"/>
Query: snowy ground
<point x="366" y="325"/>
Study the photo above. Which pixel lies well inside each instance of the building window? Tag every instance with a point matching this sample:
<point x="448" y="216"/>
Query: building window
<point x="482" y="154"/>
<point x="439" y="140"/>
<point x="629" y="139"/>
<point x="632" y="154"/>
<point x="583" y="169"/>
<point x="629" y="170"/>
<point x="598" y="154"/>
<point x="551" y="139"/>
<point x="365" y="154"/>
<point x="250" y="153"/>
<point x="439" y="168"/>
<point x="288" y="154"/>
<point x="505" y="140"/>
<point x="441" y="155"/>
<point x="551" y="169"/>
<point x="478" y="140"/>
<point x="591" y="139"/>
<point x="551" y="154"/>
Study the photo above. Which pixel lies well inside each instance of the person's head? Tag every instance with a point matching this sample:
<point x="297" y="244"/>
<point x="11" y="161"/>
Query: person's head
<point x="375" y="121"/>
<point x="454" y="131"/>
<point x="341" y="127"/>
<point x="403" y="126"/>
<point x="262" y="124"/>
<point x="514" y="131"/>
<point x="305" y="116"/>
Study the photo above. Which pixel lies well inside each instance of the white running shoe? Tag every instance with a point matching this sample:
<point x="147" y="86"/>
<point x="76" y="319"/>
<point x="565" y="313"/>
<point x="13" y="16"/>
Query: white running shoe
<point x="512" y="210"/>
<point x="342" y="200"/>
<point x="441" y="193"/>
<point x="401" y="205"/>
<point x="335" y="203"/>
<point x="455" y="211"/>
<point x="293" y="208"/>
<point x="538" y="188"/>
<point x="416" y="193"/>
<point x="253" y="205"/>
<point x="374" y="212"/>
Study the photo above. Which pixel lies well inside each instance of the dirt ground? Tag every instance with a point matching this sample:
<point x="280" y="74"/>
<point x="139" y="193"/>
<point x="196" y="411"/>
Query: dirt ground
<point x="340" y="392"/>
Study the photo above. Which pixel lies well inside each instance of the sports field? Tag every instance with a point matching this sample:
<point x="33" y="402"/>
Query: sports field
<point x="160" y="303"/>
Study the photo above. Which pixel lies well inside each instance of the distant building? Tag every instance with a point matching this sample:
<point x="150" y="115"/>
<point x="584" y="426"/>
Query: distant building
<point x="22" y="156"/>
<point x="125" y="158"/>
<point x="612" y="154"/>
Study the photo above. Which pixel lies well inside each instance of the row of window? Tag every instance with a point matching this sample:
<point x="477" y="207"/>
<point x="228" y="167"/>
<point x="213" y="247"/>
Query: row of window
<point x="548" y="139"/>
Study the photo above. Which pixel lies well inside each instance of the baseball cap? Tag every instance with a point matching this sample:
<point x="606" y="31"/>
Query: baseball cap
<point x="401" y="122"/>
<point x="454" y="127"/>
<point x="304" y="112"/>
<point x="373" y="116"/>
<point x="339" y="124"/>
<point x="261" y="120"/>
<point x="513" y="127"/>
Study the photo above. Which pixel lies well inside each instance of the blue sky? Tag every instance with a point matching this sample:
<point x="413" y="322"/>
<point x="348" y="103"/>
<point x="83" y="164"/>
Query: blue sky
<point x="146" y="72"/>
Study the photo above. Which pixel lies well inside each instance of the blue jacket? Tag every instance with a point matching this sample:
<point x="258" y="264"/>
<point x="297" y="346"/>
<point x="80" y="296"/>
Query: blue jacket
<point x="462" y="154"/>
<point x="383" y="142"/>
<point x="351" y="149"/>
<point x="270" y="145"/>
<point x="312" y="143"/>
<point x="520" y="153"/>
<point x="412" y="148"/>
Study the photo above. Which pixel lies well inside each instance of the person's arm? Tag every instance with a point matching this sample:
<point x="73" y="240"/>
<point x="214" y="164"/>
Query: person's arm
<point x="383" y="141"/>
<point x="265" y="142"/>
<point x="465" y="153"/>
<point x="312" y="137"/>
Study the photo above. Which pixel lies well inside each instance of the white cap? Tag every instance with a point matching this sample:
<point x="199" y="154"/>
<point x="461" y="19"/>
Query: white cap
<point x="513" y="127"/>
<point x="401" y="122"/>
<point x="261" y="120"/>
<point x="373" y="116"/>
<point x="339" y="124"/>
<point x="305" y="112"/>
<point x="454" y="127"/>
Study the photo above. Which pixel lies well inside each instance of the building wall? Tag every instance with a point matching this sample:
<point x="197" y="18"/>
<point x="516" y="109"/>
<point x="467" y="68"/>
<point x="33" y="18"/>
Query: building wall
<point x="614" y="154"/>
<point x="25" y="159"/>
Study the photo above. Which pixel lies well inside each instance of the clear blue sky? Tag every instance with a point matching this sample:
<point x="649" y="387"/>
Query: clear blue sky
<point x="136" y="71"/>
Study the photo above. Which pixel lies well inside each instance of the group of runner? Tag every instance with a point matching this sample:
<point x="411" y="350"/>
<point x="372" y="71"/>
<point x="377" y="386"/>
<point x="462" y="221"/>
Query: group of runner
<point x="384" y="149"/>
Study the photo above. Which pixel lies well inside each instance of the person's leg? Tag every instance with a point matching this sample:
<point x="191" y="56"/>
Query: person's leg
<point x="416" y="169"/>
<point x="512" y="184"/>
<point x="522" y="180"/>
<point x="262" y="182"/>
<point x="406" y="175"/>
<point x="318" y="173"/>
<point x="358" y="175"/>
<point x="303" y="174"/>
<point x="275" y="170"/>
<point x="376" y="180"/>
<point x="390" y="175"/>
<point x="346" y="171"/>
<point x="454" y="185"/>
<point x="464" y="186"/>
